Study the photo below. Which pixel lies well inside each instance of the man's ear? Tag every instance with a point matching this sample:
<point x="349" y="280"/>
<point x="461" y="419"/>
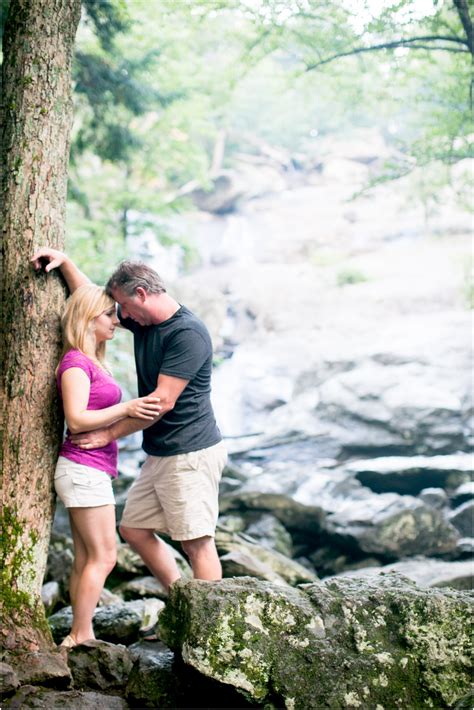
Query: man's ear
<point x="141" y="293"/>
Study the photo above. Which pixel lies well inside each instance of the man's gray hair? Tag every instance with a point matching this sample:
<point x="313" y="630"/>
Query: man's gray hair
<point x="129" y="275"/>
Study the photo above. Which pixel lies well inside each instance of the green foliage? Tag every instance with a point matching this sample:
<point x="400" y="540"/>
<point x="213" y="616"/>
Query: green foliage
<point x="350" y="276"/>
<point x="157" y="82"/>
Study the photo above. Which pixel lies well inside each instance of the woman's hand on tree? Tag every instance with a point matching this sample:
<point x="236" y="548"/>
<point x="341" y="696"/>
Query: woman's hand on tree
<point x="48" y="258"/>
<point x="143" y="408"/>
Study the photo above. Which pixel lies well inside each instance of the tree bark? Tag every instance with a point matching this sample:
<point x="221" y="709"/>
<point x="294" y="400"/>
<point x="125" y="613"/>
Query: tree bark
<point x="36" y="112"/>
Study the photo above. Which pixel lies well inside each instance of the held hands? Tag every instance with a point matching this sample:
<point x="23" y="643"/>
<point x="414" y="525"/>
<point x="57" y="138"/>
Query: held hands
<point x="143" y="408"/>
<point x="51" y="257"/>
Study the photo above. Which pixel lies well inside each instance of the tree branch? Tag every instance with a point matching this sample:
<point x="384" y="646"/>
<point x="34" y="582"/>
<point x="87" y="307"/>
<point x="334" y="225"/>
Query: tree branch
<point x="410" y="42"/>
<point x="465" y="17"/>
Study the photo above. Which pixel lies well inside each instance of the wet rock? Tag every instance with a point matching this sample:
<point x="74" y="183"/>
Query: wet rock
<point x="98" y="665"/>
<point x="241" y="556"/>
<point x="435" y="497"/>
<point x="390" y="525"/>
<point x="463" y="493"/>
<point x="30" y="696"/>
<point x="425" y="572"/>
<point x="463" y="518"/>
<point x="326" y="644"/>
<point x="410" y="475"/>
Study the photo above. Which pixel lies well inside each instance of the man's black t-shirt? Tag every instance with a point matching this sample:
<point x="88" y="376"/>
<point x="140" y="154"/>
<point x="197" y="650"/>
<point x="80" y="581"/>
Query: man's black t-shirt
<point x="180" y="347"/>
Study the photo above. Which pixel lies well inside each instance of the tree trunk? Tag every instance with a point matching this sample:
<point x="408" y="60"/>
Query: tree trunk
<point x="36" y="112"/>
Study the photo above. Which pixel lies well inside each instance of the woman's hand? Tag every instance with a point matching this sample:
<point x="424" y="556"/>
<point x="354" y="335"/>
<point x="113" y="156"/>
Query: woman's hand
<point x="48" y="258"/>
<point x="53" y="259"/>
<point x="143" y="408"/>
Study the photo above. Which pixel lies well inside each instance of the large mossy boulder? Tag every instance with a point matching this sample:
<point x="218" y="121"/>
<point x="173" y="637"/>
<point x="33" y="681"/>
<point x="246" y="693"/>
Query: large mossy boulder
<point x="364" y="643"/>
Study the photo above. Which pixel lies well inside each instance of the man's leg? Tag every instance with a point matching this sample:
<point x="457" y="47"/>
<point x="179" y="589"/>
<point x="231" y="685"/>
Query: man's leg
<point x="153" y="552"/>
<point x="204" y="559"/>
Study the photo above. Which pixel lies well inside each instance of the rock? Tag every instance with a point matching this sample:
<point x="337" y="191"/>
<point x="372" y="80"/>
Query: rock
<point x="342" y="644"/>
<point x="241" y="556"/>
<point x="59" y="562"/>
<point x="300" y="520"/>
<point x="50" y="596"/>
<point x="30" y="696"/>
<point x="463" y="518"/>
<point x="381" y="408"/>
<point x="463" y="493"/>
<point x="390" y="525"/>
<point x="36" y="668"/>
<point x="410" y="475"/>
<point x="151" y="681"/>
<point x="223" y="196"/>
<point x="425" y="572"/>
<point x="465" y="546"/>
<point x="142" y="587"/>
<point x="159" y="680"/>
<point x="98" y="665"/>
<point x="435" y="497"/>
<point x="107" y="598"/>
<point x="8" y="679"/>
<point x="130" y="563"/>
<point x="117" y="623"/>
<point x="269" y="532"/>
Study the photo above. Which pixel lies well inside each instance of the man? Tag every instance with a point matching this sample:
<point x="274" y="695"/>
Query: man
<point x="177" y="488"/>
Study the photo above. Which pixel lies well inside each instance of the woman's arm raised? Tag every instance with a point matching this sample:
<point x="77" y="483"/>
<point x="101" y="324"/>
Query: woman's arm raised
<point x="54" y="259"/>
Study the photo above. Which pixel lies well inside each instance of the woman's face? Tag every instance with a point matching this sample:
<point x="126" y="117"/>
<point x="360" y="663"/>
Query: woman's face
<point x="105" y="325"/>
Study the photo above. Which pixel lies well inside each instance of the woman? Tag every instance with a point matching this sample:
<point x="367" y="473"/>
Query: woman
<point x="83" y="479"/>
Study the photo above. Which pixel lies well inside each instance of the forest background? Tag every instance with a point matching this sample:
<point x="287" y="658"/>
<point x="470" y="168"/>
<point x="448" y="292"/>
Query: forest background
<point x="157" y="83"/>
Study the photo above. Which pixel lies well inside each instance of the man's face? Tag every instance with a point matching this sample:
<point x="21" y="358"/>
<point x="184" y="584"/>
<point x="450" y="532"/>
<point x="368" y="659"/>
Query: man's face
<point x="133" y="307"/>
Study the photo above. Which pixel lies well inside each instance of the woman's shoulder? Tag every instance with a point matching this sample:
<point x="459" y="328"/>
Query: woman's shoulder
<point x="75" y="358"/>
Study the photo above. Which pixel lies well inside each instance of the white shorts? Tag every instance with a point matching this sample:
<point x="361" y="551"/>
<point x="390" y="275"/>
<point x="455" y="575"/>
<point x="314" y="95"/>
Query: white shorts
<point x="80" y="486"/>
<point x="177" y="495"/>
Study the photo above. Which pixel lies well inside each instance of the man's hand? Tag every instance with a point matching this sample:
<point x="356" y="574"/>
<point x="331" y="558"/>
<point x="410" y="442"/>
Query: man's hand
<point x="95" y="439"/>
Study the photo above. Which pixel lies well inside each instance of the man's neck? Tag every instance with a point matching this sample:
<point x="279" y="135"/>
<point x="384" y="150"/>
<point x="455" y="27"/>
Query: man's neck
<point x="164" y="307"/>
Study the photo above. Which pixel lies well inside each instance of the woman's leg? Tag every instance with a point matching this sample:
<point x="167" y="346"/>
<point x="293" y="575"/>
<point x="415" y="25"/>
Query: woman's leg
<point x="79" y="562"/>
<point x="95" y="530"/>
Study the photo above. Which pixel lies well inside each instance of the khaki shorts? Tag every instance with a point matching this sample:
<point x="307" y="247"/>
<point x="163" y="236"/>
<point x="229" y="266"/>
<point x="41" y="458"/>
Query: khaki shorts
<point x="80" y="486"/>
<point x="177" y="495"/>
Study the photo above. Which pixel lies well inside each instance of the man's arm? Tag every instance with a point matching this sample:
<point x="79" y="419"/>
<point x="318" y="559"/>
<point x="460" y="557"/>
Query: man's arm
<point x="56" y="259"/>
<point x="168" y="390"/>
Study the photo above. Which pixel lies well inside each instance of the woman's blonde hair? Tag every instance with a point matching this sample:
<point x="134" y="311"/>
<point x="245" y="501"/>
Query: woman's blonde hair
<point x="86" y="303"/>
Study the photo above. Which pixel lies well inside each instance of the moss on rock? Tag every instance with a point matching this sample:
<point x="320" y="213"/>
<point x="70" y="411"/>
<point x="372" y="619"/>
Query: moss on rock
<point x="349" y="643"/>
